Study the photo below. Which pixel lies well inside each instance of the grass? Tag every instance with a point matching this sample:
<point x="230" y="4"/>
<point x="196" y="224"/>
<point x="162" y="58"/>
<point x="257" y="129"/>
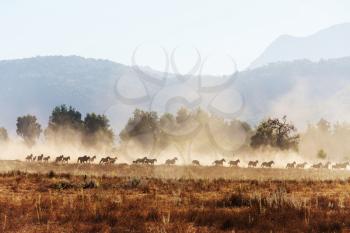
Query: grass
<point x="60" y="201"/>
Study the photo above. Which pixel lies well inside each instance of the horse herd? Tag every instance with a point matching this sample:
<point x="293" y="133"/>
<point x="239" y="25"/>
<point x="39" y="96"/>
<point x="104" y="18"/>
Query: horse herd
<point x="151" y="161"/>
<point x="253" y="164"/>
<point x="65" y="159"/>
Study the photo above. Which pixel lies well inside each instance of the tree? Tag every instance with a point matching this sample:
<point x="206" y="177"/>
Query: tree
<point x="65" y="117"/>
<point x="65" y="125"/>
<point x="142" y="122"/>
<point x="275" y="133"/>
<point x="97" y="130"/>
<point x="28" y="128"/>
<point x="3" y="135"/>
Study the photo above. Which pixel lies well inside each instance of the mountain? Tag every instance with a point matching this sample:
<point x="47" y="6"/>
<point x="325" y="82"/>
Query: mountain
<point x="332" y="42"/>
<point x="303" y="90"/>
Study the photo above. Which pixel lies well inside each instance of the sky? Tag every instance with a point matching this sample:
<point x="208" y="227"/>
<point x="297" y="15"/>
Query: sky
<point x="221" y="32"/>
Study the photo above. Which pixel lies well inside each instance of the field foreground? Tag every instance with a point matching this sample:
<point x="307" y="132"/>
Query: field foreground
<point x="67" y="202"/>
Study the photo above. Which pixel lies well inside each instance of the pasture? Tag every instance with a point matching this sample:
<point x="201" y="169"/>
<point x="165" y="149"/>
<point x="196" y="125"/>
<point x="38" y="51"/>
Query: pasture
<point x="39" y="197"/>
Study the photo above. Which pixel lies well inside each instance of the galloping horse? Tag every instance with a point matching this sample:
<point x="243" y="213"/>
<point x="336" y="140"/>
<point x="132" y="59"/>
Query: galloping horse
<point x="267" y="164"/>
<point x="291" y="165"/>
<point x="46" y="159"/>
<point x="83" y="159"/>
<point x="195" y="163"/>
<point x="65" y="159"/>
<point x="253" y="163"/>
<point x="105" y="160"/>
<point x="219" y="162"/>
<point x="59" y="159"/>
<point x="171" y="161"/>
<point x="40" y="158"/>
<point x="29" y="158"/>
<point x="92" y="159"/>
<point x="151" y="161"/>
<point x="234" y="163"/>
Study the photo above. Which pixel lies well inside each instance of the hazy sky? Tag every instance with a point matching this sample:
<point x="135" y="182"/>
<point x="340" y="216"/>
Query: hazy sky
<point x="113" y="29"/>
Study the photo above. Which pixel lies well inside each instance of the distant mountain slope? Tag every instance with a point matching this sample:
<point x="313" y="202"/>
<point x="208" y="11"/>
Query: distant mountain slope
<point x="332" y="42"/>
<point x="303" y="90"/>
<point x="36" y="85"/>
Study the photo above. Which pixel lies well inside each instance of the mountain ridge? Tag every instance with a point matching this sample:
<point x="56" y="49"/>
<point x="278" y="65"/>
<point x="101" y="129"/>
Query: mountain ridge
<point x="37" y="85"/>
<point x="331" y="42"/>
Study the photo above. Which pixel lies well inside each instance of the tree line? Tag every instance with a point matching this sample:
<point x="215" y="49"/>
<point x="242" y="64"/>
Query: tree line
<point x="66" y="124"/>
<point x="145" y="128"/>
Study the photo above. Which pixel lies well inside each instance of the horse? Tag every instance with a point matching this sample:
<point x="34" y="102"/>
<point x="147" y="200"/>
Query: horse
<point x="171" y="161"/>
<point x="151" y="161"/>
<point x="195" y="163"/>
<point x="40" y="158"/>
<point x="83" y="159"/>
<point x="59" y="159"/>
<point x="234" y="163"/>
<point x="112" y="160"/>
<point x="219" y="162"/>
<point x="29" y="158"/>
<point x="105" y="160"/>
<point x="140" y="160"/>
<point x="301" y="165"/>
<point x="46" y="159"/>
<point x="65" y="159"/>
<point x="92" y="159"/>
<point x="267" y="164"/>
<point x="253" y="163"/>
<point x="291" y="165"/>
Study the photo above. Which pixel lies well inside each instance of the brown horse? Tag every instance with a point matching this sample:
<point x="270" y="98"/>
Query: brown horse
<point x="46" y="159"/>
<point x="291" y="165"/>
<point x="195" y="163"/>
<point x="171" y="161"/>
<point x="29" y="158"/>
<point x="219" y="162"/>
<point x="267" y="164"/>
<point x="253" y="163"/>
<point x="234" y="163"/>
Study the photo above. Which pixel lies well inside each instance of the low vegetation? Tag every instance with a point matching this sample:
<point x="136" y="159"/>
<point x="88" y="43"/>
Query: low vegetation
<point x="61" y="202"/>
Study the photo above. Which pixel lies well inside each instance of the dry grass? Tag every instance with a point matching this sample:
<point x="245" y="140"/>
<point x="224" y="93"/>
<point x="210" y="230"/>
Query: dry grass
<point x="67" y="202"/>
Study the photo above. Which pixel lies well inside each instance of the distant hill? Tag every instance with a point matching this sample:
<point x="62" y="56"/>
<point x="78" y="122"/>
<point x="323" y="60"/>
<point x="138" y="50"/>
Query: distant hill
<point x="303" y="90"/>
<point x="329" y="43"/>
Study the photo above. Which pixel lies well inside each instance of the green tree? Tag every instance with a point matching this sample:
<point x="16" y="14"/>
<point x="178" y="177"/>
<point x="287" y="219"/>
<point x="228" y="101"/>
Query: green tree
<point x="142" y="122"/>
<point x="65" y="117"/>
<point x="65" y="125"/>
<point x="97" y="130"/>
<point x="276" y="133"/>
<point x="28" y="128"/>
<point x="143" y="129"/>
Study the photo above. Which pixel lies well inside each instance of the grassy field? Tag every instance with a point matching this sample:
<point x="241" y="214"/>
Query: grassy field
<point x="92" y="198"/>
